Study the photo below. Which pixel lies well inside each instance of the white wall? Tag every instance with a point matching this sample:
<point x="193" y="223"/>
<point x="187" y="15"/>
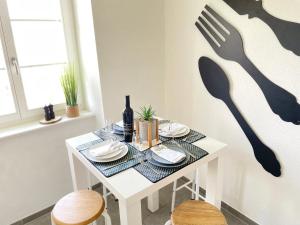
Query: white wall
<point x="34" y="168"/>
<point x="130" y="44"/>
<point x="247" y="187"/>
<point x="84" y="26"/>
<point x="150" y="49"/>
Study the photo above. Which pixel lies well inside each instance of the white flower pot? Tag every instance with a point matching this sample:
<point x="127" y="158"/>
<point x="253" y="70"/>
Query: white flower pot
<point x="143" y="129"/>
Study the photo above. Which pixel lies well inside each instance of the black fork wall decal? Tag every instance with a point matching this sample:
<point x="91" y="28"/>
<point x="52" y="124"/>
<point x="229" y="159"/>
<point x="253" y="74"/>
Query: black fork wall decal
<point x="230" y="47"/>
<point x="288" y="33"/>
<point x="217" y="84"/>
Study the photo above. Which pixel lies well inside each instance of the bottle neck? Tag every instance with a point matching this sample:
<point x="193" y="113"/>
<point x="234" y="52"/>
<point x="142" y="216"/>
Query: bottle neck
<point x="127" y="102"/>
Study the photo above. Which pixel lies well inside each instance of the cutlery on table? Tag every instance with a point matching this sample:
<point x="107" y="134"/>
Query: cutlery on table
<point x="143" y="162"/>
<point x="189" y="136"/>
<point x="281" y="102"/>
<point x="288" y="33"/>
<point x="121" y="163"/>
<point x="190" y="154"/>
<point x="217" y="84"/>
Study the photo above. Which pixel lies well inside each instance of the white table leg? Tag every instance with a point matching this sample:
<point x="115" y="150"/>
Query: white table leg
<point x="79" y="173"/>
<point x="130" y="214"/>
<point x="153" y="201"/>
<point x="214" y="183"/>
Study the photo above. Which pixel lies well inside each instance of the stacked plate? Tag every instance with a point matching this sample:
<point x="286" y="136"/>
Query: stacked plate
<point x="168" y="156"/>
<point x="107" y="151"/>
<point x="118" y="129"/>
<point x="176" y="130"/>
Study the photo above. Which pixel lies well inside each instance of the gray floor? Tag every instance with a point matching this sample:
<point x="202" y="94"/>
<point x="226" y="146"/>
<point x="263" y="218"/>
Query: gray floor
<point x="157" y="218"/>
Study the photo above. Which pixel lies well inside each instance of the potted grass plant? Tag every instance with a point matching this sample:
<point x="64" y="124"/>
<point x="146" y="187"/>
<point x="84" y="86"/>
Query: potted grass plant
<point x="69" y="84"/>
<point x="146" y="115"/>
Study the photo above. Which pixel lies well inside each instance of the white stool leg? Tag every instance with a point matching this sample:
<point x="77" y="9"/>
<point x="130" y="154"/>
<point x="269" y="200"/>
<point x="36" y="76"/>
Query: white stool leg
<point x="89" y="180"/>
<point x="52" y="222"/>
<point x="106" y="217"/>
<point x="168" y="222"/>
<point x="173" y="195"/>
<point x="105" y="195"/>
<point x="197" y="186"/>
<point x="193" y="185"/>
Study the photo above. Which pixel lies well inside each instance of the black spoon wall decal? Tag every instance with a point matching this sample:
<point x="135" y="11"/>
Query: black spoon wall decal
<point x="217" y="84"/>
<point x="288" y="33"/>
<point x="282" y="103"/>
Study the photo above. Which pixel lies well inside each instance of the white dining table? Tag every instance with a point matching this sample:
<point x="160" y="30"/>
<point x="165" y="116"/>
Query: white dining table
<point x="130" y="187"/>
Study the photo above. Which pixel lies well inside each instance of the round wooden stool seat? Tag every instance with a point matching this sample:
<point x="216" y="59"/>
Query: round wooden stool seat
<point x="78" y="208"/>
<point x="197" y="213"/>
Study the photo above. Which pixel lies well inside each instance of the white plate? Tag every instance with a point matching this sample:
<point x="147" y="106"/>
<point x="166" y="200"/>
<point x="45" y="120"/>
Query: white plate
<point x="121" y="154"/>
<point x="161" y="126"/>
<point x="109" y="155"/>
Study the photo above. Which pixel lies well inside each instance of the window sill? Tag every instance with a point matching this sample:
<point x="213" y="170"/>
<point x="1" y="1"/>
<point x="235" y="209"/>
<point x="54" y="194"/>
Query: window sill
<point x="32" y="126"/>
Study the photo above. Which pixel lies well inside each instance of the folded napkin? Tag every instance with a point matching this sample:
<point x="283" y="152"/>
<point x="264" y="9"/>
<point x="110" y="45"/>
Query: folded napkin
<point x="168" y="154"/>
<point x="173" y="129"/>
<point x="117" y="128"/>
<point x="109" y="148"/>
<point x="120" y="124"/>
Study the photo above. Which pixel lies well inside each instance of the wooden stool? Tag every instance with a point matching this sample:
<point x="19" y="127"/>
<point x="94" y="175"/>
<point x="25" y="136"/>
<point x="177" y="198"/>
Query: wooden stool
<point x="79" y="208"/>
<point x="196" y="213"/>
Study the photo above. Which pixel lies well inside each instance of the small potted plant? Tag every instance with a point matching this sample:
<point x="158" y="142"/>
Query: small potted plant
<point x="69" y="84"/>
<point x="144" y="122"/>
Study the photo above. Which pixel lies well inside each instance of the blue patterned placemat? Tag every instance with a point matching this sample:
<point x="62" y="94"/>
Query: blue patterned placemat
<point x="109" y="169"/>
<point x="191" y="137"/>
<point x="89" y="144"/>
<point x="156" y="173"/>
<point x="138" y="160"/>
<point x="101" y="133"/>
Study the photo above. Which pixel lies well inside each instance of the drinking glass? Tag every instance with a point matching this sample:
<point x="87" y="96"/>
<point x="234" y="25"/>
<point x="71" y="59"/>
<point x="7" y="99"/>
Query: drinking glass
<point x="171" y="123"/>
<point x="107" y="131"/>
<point x="108" y="126"/>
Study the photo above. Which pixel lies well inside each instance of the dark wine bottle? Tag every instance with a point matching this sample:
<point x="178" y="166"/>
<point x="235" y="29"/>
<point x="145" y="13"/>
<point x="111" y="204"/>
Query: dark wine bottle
<point x="128" y="121"/>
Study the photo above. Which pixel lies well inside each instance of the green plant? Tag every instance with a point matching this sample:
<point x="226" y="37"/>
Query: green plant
<point x="69" y="84"/>
<point x="146" y="113"/>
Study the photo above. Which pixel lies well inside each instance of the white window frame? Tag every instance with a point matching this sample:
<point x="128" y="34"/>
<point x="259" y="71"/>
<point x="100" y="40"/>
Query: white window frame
<point x="22" y="112"/>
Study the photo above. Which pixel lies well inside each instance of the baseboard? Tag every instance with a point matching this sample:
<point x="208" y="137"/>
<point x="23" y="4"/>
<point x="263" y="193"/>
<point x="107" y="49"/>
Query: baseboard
<point x="34" y="216"/>
<point x="228" y="208"/>
<point x="237" y="214"/>
<point x="43" y="211"/>
<point x="202" y="191"/>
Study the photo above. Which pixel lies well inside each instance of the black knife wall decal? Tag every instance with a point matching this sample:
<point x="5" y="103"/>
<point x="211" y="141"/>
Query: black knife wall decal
<point x="288" y="33"/>
<point x="282" y="103"/>
<point x="217" y="84"/>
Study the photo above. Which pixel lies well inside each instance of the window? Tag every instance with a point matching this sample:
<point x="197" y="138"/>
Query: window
<point x="33" y="53"/>
<point x="7" y="105"/>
